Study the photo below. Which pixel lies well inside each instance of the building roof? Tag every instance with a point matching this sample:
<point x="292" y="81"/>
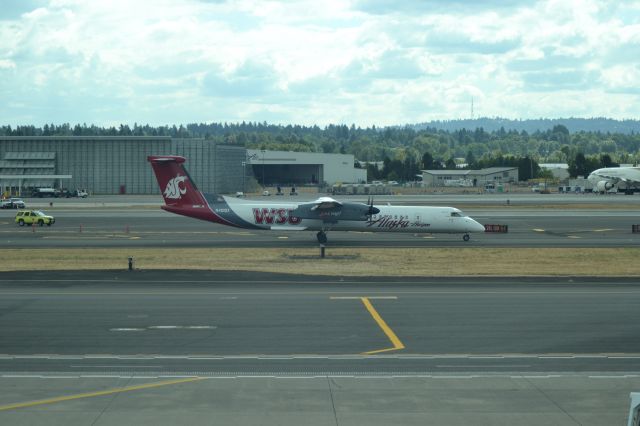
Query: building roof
<point x="495" y="169"/>
<point x="487" y="171"/>
<point x="554" y="165"/>
<point x="456" y="172"/>
<point x="259" y="156"/>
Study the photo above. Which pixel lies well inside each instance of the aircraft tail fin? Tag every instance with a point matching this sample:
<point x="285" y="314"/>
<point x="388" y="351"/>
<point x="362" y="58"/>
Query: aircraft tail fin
<point x="178" y="189"/>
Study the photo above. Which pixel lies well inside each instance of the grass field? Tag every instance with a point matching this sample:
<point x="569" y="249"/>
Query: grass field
<point x="344" y="262"/>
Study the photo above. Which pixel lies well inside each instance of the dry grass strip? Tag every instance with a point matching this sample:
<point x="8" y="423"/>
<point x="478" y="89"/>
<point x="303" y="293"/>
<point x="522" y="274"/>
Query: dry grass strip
<point x="344" y="261"/>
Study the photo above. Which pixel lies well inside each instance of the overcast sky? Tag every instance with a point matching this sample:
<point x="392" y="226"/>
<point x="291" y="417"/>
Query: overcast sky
<point x="382" y="62"/>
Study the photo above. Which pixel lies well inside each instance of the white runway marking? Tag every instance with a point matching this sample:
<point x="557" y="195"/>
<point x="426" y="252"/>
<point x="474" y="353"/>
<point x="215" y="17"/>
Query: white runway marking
<point x="337" y="375"/>
<point x="204" y="357"/>
<point x="360" y="297"/>
<point x="167" y="327"/>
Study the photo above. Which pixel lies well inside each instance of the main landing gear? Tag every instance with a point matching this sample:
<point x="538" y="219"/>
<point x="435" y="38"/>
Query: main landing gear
<point x="466" y="237"/>
<point x="322" y="237"/>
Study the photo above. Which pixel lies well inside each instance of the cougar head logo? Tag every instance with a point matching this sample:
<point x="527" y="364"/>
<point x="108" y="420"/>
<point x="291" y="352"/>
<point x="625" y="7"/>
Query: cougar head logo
<point x="174" y="188"/>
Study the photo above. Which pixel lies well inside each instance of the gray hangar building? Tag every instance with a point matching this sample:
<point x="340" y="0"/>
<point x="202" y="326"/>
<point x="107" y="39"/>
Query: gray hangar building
<point x="113" y="164"/>
<point x="118" y="164"/>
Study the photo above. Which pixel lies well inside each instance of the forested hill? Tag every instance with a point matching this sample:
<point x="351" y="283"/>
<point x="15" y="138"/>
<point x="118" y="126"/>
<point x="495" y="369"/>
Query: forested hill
<point x="406" y="147"/>
<point x="598" y="124"/>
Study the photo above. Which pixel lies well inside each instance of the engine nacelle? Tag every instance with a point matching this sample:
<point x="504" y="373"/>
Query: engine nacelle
<point x="604" y="185"/>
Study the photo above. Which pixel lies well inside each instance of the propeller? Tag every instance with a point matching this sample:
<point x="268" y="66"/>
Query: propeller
<point x="372" y="210"/>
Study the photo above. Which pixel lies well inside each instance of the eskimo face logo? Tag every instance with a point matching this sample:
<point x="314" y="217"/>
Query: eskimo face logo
<point x="175" y="187"/>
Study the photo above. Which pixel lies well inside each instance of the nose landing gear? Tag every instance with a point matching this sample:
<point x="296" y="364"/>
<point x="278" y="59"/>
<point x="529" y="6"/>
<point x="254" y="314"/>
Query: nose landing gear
<point x="322" y="237"/>
<point x="466" y="237"/>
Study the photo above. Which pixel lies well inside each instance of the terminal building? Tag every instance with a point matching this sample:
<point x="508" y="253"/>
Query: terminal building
<point x="118" y="164"/>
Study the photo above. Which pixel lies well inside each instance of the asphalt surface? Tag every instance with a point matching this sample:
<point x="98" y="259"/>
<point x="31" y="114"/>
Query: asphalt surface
<point x="228" y="323"/>
<point x="548" y="221"/>
<point x="194" y="347"/>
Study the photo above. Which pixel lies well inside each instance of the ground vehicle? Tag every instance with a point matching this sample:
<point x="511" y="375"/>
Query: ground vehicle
<point x="82" y="193"/>
<point x="12" y="203"/>
<point x="45" y="192"/>
<point x="30" y="217"/>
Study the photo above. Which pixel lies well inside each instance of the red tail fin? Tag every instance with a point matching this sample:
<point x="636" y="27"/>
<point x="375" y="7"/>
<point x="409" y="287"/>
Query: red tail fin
<point x="175" y="183"/>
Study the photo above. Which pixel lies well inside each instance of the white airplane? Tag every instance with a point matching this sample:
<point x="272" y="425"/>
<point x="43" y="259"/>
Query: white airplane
<point x="181" y="196"/>
<point x="609" y="178"/>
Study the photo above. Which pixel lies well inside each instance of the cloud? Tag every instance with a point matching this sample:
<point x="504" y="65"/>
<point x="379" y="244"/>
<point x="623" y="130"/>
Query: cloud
<point x="7" y="64"/>
<point x="451" y="42"/>
<point x="365" y="62"/>
<point x="433" y="6"/>
<point x="251" y="79"/>
<point x="558" y="80"/>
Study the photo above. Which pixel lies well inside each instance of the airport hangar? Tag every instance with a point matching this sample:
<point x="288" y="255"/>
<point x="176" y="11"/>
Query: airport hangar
<point x="477" y="178"/>
<point x="118" y="164"/>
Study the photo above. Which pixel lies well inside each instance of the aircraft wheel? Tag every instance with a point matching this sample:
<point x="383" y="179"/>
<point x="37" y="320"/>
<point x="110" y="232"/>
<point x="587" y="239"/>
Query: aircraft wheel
<point x="466" y="237"/>
<point x="322" y="237"/>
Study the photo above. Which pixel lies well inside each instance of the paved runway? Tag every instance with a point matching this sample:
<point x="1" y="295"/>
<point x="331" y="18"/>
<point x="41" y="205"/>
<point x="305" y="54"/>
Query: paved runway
<point x="105" y="348"/>
<point x="162" y="348"/>
<point x="188" y="347"/>
<point x="143" y="225"/>
<point x="222" y="323"/>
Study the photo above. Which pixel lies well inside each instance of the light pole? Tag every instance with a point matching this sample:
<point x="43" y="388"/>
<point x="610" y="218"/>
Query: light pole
<point x="531" y="165"/>
<point x="263" y="152"/>
<point x="244" y="172"/>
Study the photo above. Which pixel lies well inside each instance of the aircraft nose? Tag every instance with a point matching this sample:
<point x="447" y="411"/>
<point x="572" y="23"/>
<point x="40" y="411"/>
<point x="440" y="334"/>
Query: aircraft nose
<point x="476" y="226"/>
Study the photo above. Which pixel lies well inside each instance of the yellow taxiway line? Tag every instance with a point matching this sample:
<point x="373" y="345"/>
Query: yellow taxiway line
<point x="397" y="344"/>
<point x="98" y="393"/>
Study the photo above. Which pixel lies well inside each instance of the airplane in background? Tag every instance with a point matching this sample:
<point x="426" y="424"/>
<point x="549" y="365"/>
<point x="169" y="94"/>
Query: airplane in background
<point x="181" y="196"/>
<point x="609" y="178"/>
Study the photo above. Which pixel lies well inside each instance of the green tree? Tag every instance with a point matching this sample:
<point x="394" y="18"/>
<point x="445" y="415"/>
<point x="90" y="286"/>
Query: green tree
<point x="528" y="168"/>
<point x="606" y="161"/>
<point x="450" y="164"/>
<point x="471" y="159"/>
<point x="582" y="166"/>
<point x="427" y="161"/>
<point x="560" y="133"/>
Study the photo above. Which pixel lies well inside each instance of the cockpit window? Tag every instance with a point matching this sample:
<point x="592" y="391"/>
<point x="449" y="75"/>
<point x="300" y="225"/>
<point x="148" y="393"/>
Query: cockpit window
<point x="455" y="214"/>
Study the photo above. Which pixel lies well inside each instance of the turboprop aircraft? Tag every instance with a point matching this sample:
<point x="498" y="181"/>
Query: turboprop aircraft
<point x="181" y="196"/>
<point x="609" y="178"/>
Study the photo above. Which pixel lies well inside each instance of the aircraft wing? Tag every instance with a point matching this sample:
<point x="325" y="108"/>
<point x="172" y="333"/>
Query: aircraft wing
<point x="325" y="203"/>
<point x="615" y="179"/>
<point x="331" y="211"/>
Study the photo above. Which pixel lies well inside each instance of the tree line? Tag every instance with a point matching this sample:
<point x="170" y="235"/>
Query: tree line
<point x="404" y="151"/>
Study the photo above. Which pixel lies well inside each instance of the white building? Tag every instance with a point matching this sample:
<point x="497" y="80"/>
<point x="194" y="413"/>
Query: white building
<point x="558" y="170"/>
<point x="300" y="168"/>
<point x="477" y="177"/>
